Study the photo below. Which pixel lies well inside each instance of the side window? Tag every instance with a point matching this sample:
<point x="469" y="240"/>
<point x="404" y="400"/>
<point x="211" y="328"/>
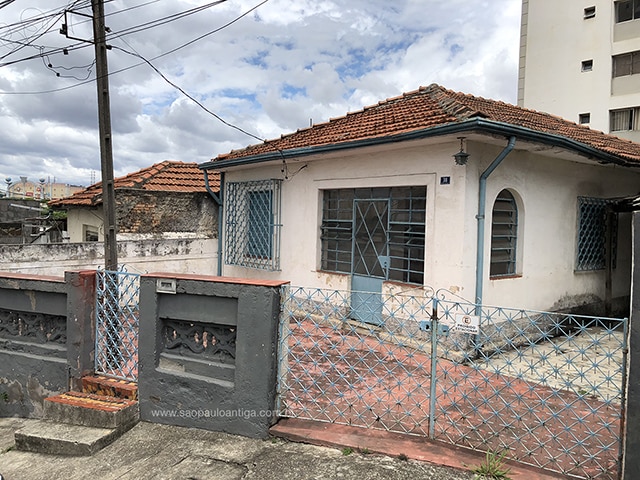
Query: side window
<point x="504" y="235"/>
<point x="252" y="224"/>
<point x="90" y="233"/>
<point x="592" y="225"/>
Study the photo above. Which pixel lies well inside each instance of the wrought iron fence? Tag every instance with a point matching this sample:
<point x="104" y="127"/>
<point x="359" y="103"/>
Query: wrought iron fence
<point x="117" y="317"/>
<point x="546" y="388"/>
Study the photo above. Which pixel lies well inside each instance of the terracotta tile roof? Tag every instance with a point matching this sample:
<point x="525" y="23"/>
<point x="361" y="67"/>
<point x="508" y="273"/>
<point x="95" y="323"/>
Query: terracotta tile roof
<point x="167" y="176"/>
<point x="435" y="106"/>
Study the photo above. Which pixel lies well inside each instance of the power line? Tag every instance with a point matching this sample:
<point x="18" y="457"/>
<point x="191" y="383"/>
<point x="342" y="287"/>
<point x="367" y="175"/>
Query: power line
<point x="194" y="100"/>
<point x="78" y="46"/>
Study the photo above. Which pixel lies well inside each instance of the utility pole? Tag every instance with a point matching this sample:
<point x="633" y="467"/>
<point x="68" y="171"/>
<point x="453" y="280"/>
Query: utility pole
<point x="106" y="148"/>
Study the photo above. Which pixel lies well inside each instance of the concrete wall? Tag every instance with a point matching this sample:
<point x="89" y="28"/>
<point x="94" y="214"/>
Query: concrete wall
<point x="555" y="39"/>
<point x="33" y="342"/>
<point x="186" y="255"/>
<point x="208" y="353"/>
<point x="547" y="188"/>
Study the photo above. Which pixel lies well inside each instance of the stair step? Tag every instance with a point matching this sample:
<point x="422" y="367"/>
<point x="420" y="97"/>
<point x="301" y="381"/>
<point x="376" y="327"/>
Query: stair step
<point x="113" y="387"/>
<point x="53" y="438"/>
<point x="91" y="410"/>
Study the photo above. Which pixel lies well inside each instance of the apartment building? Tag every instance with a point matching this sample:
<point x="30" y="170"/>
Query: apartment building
<point x="580" y="59"/>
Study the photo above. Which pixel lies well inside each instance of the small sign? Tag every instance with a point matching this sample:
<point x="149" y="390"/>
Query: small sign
<point x="467" y="324"/>
<point x="445" y="180"/>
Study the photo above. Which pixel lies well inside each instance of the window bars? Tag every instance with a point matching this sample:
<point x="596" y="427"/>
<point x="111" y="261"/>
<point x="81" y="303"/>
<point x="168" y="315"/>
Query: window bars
<point x="592" y="234"/>
<point x="402" y="234"/>
<point x="252" y="224"/>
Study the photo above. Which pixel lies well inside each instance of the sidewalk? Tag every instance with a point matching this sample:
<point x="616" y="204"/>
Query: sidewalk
<point x="152" y="451"/>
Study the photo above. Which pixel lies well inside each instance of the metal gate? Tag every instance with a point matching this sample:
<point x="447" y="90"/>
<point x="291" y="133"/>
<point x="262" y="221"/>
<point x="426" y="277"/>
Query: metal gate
<point x="544" y="388"/>
<point x="370" y="258"/>
<point x="117" y="319"/>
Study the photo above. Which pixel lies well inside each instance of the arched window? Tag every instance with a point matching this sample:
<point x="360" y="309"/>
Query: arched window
<point x="504" y="235"/>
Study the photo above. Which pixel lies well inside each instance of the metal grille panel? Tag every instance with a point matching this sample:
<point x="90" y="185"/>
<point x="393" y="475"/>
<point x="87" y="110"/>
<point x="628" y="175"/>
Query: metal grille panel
<point x="252" y="224"/>
<point x="117" y="320"/>
<point x="591" y="233"/>
<point x="546" y="388"/>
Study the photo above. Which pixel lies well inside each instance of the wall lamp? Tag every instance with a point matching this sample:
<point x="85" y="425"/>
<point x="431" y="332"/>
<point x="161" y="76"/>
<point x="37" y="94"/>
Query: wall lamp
<point x="461" y="157"/>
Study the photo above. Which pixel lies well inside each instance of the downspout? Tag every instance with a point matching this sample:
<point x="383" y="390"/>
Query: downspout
<point x="482" y="197"/>
<point x="217" y="197"/>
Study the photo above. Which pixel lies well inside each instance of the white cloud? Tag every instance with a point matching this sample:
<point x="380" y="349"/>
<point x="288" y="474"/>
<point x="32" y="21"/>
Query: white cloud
<point x="269" y="73"/>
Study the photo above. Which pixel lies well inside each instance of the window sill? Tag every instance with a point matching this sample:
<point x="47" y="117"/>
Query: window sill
<point x="505" y="277"/>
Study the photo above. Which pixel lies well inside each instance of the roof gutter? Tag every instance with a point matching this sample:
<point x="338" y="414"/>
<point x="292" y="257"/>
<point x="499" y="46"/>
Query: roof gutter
<point x="480" y="125"/>
<point x="217" y="197"/>
<point x="482" y="198"/>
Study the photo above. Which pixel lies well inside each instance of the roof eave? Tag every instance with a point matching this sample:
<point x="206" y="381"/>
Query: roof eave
<point x="480" y="125"/>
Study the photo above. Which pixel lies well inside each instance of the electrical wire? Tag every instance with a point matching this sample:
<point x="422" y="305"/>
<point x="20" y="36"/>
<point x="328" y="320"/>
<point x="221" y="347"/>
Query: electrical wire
<point x="75" y="47"/>
<point x="194" y="100"/>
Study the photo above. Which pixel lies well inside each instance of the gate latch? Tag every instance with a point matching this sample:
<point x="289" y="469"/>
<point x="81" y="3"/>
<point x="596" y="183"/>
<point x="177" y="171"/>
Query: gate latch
<point x="425" y="326"/>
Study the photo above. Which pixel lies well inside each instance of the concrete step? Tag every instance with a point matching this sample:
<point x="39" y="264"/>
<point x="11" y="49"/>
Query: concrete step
<point x="91" y="410"/>
<point x="54" y="438"/>
<point x="113" y="387"/>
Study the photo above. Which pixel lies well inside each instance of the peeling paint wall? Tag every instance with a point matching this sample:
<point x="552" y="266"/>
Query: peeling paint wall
<point x="181" y="255"/>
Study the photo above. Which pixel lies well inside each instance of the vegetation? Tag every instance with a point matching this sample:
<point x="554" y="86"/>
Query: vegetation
<point x="493" y="467"/>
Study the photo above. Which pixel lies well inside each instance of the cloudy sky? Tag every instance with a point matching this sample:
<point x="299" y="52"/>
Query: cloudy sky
<point x="264" y="67"/>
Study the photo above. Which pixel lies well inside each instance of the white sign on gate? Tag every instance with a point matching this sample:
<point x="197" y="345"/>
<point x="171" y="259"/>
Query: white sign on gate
<point x="467" y="324"/>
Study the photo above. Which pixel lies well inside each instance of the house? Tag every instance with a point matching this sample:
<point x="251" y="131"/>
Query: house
<point x="498" y="204"/>
<point x="168" y="199"/>
<point x="582" y="62"/>
<point x="166" y="218"/>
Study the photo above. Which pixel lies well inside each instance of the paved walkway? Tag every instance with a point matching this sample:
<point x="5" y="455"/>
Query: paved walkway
<point x="152" y="451"/>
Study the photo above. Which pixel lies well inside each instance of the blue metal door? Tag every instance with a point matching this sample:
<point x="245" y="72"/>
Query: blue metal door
<point x="370" y="258"/>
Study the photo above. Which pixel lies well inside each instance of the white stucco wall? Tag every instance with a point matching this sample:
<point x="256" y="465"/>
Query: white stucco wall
<point x="196" y="256"/>
<point x="555" y="39"/>
<point x="546" y="186"/>
<point x="77" y="218"/>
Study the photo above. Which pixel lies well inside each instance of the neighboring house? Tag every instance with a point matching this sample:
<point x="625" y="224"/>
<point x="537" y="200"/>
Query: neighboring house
<point x="375" y="201"/>
<point x="166" y="200"/>
<point x="582" y="61"/>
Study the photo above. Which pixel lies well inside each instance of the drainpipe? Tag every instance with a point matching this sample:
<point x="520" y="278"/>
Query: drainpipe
<point x="482" y="197"/>
<point x="217" y="197"/>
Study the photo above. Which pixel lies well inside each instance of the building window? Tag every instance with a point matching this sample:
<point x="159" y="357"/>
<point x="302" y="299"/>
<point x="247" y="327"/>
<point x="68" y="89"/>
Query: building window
<point x="627" y="10"/>
<point x="626" y="64"/>
<point x="90" y="233"/>
<point x="252" y="224"/>
<point x="592" y="225"/>
<point x="625" y="119"/>
<point x="400" y="233"/>
<point x="587" y="65"/>
<point x="584" y="118"/>
<point x="589" y="12"/>
<point x="504" y="235"/>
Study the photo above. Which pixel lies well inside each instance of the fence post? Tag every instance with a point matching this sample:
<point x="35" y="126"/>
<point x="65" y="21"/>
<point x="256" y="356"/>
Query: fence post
<point x="631" y="433"/>
<point x="81" y="302"/>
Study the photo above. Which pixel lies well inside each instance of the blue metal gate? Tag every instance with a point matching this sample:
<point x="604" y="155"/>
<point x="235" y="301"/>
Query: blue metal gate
<point x="545" y="388"/>
<point x="117" y="320"/>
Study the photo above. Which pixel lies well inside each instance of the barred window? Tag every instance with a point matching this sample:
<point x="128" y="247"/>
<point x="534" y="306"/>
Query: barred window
<point x="252" y="224"/>
<point x="402" y="236"/>
<point x="592" y="224"/>
<point x="504" y="235"/>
